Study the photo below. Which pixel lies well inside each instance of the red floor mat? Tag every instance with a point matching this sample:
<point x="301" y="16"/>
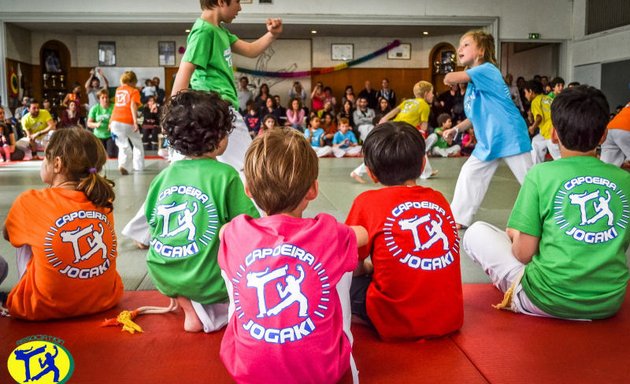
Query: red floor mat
<point x="512" y="348"/>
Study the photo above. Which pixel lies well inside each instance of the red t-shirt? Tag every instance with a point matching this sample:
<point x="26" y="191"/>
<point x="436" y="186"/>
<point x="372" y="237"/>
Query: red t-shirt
<point x="416" y="288"/>
<point x="72" y="271"/>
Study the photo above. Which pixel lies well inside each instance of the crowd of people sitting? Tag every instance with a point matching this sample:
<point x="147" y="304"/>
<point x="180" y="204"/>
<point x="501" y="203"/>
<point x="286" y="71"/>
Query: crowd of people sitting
<point x="26" y="131"/>
<point x="320" y="115"/>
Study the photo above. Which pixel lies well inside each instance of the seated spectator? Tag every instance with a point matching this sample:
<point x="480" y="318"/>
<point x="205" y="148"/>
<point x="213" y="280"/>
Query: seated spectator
<point x="38" y="127"/>
<point x="270" y="108"/>
<point x="348" y="95"/>
<point x="298" y="92"/>
<point x="329" y="98"/>
<point x="347" y="112"/>
<point x="150" y="124"/>
<point x="345" y="142"/>
<point x="70" y="116"/>
<point x="363" y="117"/>
<point x="8" y="150"/>
<point x="329" y="126"/>
<point x="296" y="115"/>
<point x="315" y="136"/>
<point x="317" y="97"/>
<point x="268" y="122"/>
<point x="444" y="146"/>
<point x="148" y="91"/>
<point x="282" y="111"/>
<point x="382" y="110"/>
<point x="263" y="95"/>
<point x="252" y="119"/>
<point x="468" y="142"/>
<point x="244" y="94"/>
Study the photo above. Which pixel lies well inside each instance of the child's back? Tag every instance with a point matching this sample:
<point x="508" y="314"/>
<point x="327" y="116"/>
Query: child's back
<point x="580" y="208"/>
<point x="65" y="235"/>
<point x="188" y="202"/>
<point x="415" y="290"/>
<point x="416" y="286"/>
<point x="289" y="282"/>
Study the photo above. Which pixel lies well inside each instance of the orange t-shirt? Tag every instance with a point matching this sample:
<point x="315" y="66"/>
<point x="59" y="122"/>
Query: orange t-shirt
<point x="621" y="120"/>
<point x="72" y="270"/>
<point x="125" y="95"/>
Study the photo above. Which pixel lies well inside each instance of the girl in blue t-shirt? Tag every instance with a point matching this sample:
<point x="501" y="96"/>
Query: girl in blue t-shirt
<point x="500" y="129"/>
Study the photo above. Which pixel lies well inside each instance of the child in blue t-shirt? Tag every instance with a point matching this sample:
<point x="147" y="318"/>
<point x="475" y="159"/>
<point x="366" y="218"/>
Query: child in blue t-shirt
<point x="500" y="129"/>
<point x="315" y="136"/>
<point x="345" y="142"/>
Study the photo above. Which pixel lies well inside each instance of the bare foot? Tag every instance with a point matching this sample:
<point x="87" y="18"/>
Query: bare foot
<point x="141" y="245"/>
<point x="357" y="178"/>
<point x="191" y="320"/>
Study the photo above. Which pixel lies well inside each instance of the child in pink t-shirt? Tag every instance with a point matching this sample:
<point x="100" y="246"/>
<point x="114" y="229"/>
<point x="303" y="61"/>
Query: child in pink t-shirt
<point x="289" y="314"/>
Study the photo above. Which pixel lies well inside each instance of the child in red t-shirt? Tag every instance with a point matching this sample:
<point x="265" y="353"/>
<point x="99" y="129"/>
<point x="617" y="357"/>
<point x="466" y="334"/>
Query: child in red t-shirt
<point x="412" y="288"/>
<point x="65" y="234"/>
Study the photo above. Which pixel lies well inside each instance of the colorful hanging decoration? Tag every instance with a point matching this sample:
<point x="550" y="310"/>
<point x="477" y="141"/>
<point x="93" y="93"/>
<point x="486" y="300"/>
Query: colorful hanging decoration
<point x="321" y="71"/>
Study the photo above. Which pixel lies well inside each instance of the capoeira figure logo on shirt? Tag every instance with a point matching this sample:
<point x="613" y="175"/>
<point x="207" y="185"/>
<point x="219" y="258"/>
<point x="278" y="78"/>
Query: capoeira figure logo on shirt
<point x="184" y="219"/>
<point x="421" y="235"/>
<point x="281" y="293"/>
<point x="601" y="204"/>
<point x="81" y="244"/>
<point x="434" y="231"/>
<point x="289" y="294"/>
<point x="95" y="242"/>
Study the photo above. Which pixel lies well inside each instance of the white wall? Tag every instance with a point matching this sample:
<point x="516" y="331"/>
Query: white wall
<point x="517" y="17"/>
<point x="537" y="61"/>
<point x="18" y="44"/>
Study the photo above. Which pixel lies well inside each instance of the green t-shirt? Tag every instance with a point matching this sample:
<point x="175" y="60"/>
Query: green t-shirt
<point x="441" y="142"/>
<point x="36" y="124"/>
<point x="209" y="48"/>
<point x="102" y="115"/>
<point x="186" y="205"/>
<point x="578" y="207"/>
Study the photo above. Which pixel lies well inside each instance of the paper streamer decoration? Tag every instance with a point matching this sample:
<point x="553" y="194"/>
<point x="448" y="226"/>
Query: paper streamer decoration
<point x="321" y="71"/>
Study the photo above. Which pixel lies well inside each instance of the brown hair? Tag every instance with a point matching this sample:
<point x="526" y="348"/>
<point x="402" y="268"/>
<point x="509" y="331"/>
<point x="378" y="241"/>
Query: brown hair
<point x="443" y="118"/>
<point x="82" y="158"/>
<point x="280" y="167"/>
<point x="344" y="120"/>
<point x="485" y="42"/>
<point x="103" y="92"/>
<point x="129" y="78"/>
<point x="209" y="4"/>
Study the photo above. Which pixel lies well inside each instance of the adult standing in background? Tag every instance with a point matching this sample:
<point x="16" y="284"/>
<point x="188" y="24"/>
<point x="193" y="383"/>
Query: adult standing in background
<point x="244" y="94"/>
<point x="93" y="86"/>
<point x="298" y="92"/>
<point x="616" y="147"/>
<point x="387" y="93"/>
<point x="371" y="95"/>
<point x="160" y="93"/>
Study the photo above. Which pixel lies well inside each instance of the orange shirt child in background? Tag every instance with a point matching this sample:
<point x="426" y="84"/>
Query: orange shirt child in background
<point x="64" y="234"/>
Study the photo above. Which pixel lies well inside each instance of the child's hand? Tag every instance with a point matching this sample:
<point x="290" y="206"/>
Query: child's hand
<point x="449" y="134"/>
<point x="274" y="26"/>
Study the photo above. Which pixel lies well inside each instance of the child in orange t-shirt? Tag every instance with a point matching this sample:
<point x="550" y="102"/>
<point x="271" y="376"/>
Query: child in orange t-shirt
<point x="64" y="234"/>
<point x="124" y="124"/>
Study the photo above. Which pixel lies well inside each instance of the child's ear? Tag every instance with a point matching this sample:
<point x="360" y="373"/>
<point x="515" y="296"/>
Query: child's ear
<point x="601" y="141"/>
<point x="313" y="191"/>
<point x="248" y="192"/>
<point x="372" y="175"/>
<point x="554" y="136"/>
<point x="57" y="164"/>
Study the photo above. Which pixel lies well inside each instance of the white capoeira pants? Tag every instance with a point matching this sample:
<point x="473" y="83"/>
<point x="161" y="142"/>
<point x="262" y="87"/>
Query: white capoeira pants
<point x="491" y="248"/>
<point x="540" y="147"/>
<point x="616" y="147"/>
<point x="125" y="133"/>
<point x="239" y="140"/>
<point x="350" y="151"/>
<point x="474" y="179"/>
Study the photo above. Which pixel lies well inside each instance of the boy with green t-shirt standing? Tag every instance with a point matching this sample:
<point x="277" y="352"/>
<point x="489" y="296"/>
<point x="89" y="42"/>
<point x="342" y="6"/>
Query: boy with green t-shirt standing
<point x="98" y="122"/>
<point x="564" y="253"/>
<point x="207" y="64"/>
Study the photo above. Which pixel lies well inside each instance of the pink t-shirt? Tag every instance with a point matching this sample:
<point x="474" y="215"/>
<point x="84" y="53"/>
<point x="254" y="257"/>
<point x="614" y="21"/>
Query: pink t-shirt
<point x="286" y="322"/>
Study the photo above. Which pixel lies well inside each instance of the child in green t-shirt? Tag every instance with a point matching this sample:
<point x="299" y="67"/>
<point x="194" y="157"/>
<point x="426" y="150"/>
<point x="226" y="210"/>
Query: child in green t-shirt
<point x="207" y="64"/>
<point x="187" y="204"/>
<point x="443" y="146"/>
<point x="564" y="251"/>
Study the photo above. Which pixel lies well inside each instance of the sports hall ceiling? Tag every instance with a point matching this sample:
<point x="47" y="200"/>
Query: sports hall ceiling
<point x="248" y="31"/>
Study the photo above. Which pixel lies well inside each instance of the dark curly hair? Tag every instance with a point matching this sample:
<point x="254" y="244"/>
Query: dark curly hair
<point x="195" y="122"/>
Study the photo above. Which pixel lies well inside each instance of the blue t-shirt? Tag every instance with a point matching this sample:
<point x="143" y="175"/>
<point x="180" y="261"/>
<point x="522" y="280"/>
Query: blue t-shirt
<point x="499" y="126"/>
<point x="316" y="138"/>
<point x="344" y="139"/>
